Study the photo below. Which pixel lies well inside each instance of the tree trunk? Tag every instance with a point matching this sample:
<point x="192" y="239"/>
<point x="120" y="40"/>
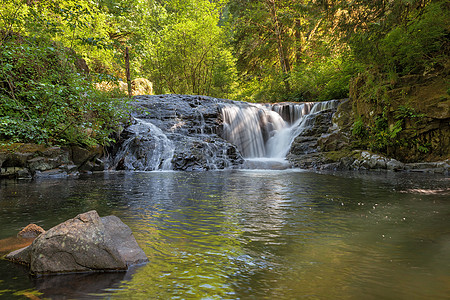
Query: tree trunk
<point x="282" y="53"/>
<point x="127" y="69"/>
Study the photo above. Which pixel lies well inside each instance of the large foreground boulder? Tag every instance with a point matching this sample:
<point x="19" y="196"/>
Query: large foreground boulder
<point x="86" y="243"/>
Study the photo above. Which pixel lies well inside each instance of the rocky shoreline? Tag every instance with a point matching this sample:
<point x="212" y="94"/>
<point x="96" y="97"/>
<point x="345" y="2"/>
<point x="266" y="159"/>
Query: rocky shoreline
<point x="26" y="161"/>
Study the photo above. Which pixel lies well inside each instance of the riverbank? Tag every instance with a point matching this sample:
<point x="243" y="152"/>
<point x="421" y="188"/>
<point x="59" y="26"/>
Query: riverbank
<point x="26" y="160"/>
<point x="328" y="143"/>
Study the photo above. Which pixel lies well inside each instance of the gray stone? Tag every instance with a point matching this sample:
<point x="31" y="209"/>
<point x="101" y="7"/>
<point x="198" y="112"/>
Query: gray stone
<point x="10" y="171"/>
<point x="21" y="256"/>
<point x="24" y="174"/>
<point x="82" y="155"/>
<point x="124" y="241"/>
<point x="40" y="164"/>
<point x="3" y="157"/>
<point x="394" y="165"/>
<point x="69" y="168"/>
<point x="86" y="243"/>
<point x="53" y="173"/>
<point x="17" y="159"/>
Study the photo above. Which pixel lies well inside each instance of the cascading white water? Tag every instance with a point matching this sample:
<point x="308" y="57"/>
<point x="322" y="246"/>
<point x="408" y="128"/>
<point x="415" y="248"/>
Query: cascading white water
<point x="291" y="112"/>
<point x="249" y="127"/>
<point x="155" y="149"/>
<point x="268" y="131"/>
<point x="186" y="139"/>
<point x="278" y="145"/>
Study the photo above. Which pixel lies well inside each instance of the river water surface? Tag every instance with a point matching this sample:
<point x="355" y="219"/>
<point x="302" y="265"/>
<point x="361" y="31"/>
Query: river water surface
<point x="248" y="234"/>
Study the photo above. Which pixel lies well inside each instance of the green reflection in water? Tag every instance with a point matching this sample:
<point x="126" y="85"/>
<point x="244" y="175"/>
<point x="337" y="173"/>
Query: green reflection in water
<point x="258" y="235"/>
<point x="292" y="237"/>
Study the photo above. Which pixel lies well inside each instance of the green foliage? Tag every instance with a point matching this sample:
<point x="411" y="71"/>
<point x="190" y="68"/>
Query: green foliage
<point x="404" y="37"/>
<point x="407" y="112"/>
<point x="259" y="50"/>
<point x="44" y="100"/>
<point x="417" y="47"/>
<point x="268" y="38"/>
<point x="189" y="57"/>
<point x="381" y="134"/>
<point x="384" y="136"/>
<point x="377" y="136"/>
<point x="359" y="129"/>
<point x="323" y="79"/>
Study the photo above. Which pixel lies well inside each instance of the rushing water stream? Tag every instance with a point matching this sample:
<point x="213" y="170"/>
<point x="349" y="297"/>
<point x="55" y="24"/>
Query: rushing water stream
<point x="248" y="234"/>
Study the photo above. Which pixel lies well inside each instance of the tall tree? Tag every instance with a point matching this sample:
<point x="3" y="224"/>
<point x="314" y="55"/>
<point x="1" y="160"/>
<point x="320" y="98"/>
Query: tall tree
<point x="189" y="54"/>
<point x="271" y="36"/>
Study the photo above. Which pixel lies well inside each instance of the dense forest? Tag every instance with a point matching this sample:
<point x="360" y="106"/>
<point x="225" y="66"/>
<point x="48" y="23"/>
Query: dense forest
<point x="55" y="54"/>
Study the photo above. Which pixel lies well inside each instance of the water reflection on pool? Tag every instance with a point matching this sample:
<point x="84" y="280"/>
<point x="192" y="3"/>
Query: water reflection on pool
<point x="249" y="234"/>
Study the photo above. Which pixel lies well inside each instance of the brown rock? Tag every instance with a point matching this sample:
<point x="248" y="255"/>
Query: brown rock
<point x="82" y="155"/>
<point x="31" y="231"/>
<point x="13" y="243"/>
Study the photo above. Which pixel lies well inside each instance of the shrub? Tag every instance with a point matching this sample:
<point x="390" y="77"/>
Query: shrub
<point x="44" y="99"/>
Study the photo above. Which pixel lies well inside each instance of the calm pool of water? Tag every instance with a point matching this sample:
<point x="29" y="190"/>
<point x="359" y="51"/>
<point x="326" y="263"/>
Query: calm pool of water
<point x="248" y="234"/>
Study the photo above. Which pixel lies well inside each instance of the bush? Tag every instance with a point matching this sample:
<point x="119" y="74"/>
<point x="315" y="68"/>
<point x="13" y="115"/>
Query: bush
<point x="419" y="46"/>
<point x="324" y="79"/>
<point x="44" y="99"/>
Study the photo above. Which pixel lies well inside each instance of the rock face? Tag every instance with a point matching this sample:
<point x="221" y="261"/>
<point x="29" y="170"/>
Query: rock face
<point x="421" y="103"/>
<point x="86" y="243"/>
<point x="326" y="145"/>
<point x="174" y="132"/>
<point x="307" y="149"/>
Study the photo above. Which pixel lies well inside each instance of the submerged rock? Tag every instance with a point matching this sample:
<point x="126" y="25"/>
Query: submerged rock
<point x="86" y="243"/>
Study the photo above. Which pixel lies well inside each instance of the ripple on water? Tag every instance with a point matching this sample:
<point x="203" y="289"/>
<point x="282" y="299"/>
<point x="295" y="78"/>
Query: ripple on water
<point x="255" y="234"/>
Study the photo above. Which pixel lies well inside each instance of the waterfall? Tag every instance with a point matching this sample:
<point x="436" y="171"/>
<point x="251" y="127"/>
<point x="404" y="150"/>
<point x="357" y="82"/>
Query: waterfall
<point x="268" y="131"/>
<point x="291" y="112"/>
<point x="249" y="127"/>
<point x="148" y="149"/>
<point x="198" y="133"/>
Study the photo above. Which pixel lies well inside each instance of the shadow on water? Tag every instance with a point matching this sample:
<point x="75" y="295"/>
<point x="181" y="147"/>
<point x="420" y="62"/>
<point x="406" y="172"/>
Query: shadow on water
<point x="77" y="286"/>
<point x="250" y="234"/>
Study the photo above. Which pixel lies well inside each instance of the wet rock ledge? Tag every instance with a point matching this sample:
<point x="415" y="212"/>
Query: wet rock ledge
<point x="38" y="161"/>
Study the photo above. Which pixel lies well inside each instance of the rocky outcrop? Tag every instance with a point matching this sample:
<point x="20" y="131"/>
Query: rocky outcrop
<point x="319" y="137"/>
<point x="86" y="243"/>
<point x="31" y="160"/>
<point x="178" y="132"/>
<point x="420" y="104"/>
<point x="307" y="141"/>
<point x="326" y="144"/>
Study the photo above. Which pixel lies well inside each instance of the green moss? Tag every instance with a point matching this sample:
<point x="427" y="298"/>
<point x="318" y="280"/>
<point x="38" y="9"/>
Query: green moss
<point x="336" y="156"/>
